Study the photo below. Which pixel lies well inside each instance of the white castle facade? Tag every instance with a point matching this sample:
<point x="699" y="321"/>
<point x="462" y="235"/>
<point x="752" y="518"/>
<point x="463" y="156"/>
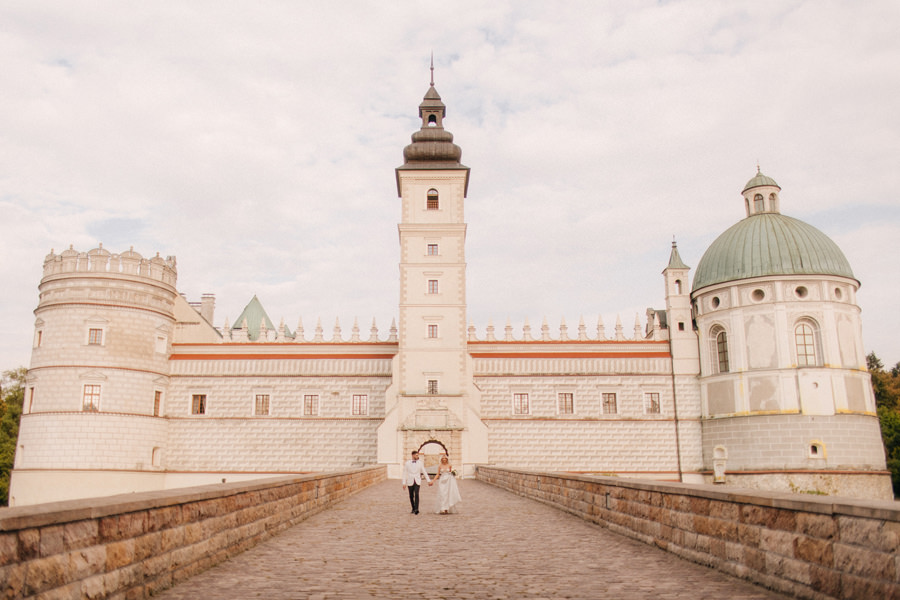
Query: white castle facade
<point x="754" y="377"/>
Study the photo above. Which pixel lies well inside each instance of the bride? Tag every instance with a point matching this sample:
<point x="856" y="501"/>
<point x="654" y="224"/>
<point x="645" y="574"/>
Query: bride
<point x="448" y="492"/>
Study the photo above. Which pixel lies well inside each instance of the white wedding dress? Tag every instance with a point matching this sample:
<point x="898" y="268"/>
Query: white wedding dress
<point x="447" y="493"/>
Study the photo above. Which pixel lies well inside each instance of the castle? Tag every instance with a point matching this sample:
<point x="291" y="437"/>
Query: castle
<point x="755" y="376"/>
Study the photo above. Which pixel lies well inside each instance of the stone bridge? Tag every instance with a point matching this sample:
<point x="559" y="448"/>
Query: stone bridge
<point x="517" y="535"/>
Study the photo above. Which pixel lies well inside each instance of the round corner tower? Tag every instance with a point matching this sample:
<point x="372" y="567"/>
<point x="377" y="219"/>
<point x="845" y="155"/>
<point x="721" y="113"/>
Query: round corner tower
<point x="91" y="422"/>
<point x="786" y="398"/>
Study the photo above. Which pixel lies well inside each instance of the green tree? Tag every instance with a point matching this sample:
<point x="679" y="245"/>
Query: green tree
<point x="12" y="395"/>
<point x="886" y="385"/>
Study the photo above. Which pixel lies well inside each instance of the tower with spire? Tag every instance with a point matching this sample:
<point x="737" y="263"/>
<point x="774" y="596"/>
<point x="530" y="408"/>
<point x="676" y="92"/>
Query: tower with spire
<point x="432" y="397"/>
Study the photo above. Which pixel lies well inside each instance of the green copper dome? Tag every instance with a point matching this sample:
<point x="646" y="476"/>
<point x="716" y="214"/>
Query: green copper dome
<point x="770" y="244"/>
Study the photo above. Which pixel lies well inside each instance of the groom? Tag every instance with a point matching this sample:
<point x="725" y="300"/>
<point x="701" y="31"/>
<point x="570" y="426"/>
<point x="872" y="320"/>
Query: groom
<point x="413" y="471"/>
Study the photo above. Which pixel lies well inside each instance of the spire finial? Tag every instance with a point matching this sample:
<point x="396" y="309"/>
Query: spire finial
<point x="432" y="69"/>
<point x="758" y="171"/>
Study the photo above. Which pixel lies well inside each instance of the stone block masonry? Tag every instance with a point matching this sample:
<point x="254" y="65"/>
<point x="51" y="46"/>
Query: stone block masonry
<point x="810" y="547"/>
<point x="132" y="546"/>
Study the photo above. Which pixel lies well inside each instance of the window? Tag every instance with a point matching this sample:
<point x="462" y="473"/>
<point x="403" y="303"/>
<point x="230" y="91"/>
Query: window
<point x="566" y="403"/>
<point x="651" y="403"/>
<point x="805" y="337"/>
<point x="161" y="343"/>
<point x="91" y="400"/>
<point x="262" y="405"/>
<point x="360" y="404"/>
<point x="310" y="405"/>
<point x="432" y="249"/>
<point x="609" y="404"/>
<point x="39" y="337"/>
<point x="432" y="386"/>
<point x="30" y="399"/>
<point x="432" y="202"/>
<point x="719" y="340"/>
<point x="95" y="337"/>
<point x="758" y="203"/>
<point x="677" y="286"/>
<point x="520" y="404"/>
<point x="198" y="404"/>
<point x="773" y="202"/>
<point x="432" y="286"/>
<point x="432" y="331"/>
<point x="157" y="401"/>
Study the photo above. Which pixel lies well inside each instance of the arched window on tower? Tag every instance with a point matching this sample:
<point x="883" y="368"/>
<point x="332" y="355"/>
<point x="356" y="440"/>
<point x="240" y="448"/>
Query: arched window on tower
<point x="758" y="205"/>
<point x="806" y="340"/>
<point x="432" y="120"/>
<point x="677" y="286"/>
<point x="719" y="350"/>
<point x="432" y="200"/>
<point x="773" y="202"/>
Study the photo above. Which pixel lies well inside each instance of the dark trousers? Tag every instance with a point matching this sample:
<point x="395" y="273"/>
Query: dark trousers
<point x="414" y="496"/>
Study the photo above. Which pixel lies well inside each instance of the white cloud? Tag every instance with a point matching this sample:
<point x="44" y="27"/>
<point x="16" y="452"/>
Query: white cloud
<point x="257" y="143"/>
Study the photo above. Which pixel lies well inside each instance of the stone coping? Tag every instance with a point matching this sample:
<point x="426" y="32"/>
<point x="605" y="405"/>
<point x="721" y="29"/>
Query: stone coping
<point x="887" y="510"/>
<point x="51" y="513"/>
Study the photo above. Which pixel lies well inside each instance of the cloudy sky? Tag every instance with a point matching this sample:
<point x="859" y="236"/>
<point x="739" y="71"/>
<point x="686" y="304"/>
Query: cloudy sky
<point x="257" y="141"/>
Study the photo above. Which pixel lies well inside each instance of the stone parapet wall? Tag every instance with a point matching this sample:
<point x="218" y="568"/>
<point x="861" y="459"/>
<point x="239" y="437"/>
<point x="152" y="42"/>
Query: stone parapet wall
<point x="811" y="547"/>
<point x="134" y="545"/>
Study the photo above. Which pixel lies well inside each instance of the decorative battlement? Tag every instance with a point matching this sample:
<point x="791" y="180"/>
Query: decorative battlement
<point x="242" y="333"/>
<point x="101" y="260"/>
<point x="654" y="331"/>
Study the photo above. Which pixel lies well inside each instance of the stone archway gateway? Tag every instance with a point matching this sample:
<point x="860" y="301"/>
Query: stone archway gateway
<point x="431" y="451"/>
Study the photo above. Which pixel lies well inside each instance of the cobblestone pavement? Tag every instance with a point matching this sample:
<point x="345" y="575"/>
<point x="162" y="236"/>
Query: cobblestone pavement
<point x="498" y="546"/>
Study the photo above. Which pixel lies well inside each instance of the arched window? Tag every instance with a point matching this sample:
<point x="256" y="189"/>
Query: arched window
<point x="806" y="340"/>
<point x="773" y="202"/>
<point x="432" y="120"/>
<point x="432" y="203"/>
<point x="758" y="205"/>
<point x="719" y="346"/>
<point x="677" y="286"/>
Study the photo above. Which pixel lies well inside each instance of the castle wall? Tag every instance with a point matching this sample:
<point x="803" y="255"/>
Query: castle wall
<point x="632" y="441"/>
<point x="231" y="437"/>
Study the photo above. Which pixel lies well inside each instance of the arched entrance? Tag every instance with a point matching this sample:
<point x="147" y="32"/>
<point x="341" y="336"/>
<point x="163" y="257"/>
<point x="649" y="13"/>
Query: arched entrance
<point x="432" y="451"/>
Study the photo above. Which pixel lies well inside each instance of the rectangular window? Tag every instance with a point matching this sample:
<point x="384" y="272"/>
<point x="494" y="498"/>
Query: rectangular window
<point x="432" y="249"/>
<point x="566" y="403"/>
<point x="262" y="405"/>
<point x="432" y="286"/>
<point x="360" y="404"/>
<point x="432" y="386"/>
<point x="95" y="337"/>
<point x="161" y="343"/>
<point x="91" y="401"/>
<point x="30" y="399"/>
<point x="432" y="331"/>
<point x="198" y="404"/>
<point x="609" y="403"/>
<point x="651" y="401"/>
<point x="310" y="405"/>
<point x="40" y="337"/>
<point x="157" y="401"/>
<point x="520" y="404"/>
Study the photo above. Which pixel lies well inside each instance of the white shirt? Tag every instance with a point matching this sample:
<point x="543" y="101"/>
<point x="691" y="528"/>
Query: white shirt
<point x="413" y="471"/>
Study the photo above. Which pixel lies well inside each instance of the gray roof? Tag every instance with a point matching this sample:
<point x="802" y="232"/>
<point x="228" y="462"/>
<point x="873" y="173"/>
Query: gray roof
<point x="759" y="180"/>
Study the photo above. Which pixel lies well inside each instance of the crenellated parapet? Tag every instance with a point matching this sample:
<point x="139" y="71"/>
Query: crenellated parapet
<point x="101" y="260"/>
<point x="653" y="331"/>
